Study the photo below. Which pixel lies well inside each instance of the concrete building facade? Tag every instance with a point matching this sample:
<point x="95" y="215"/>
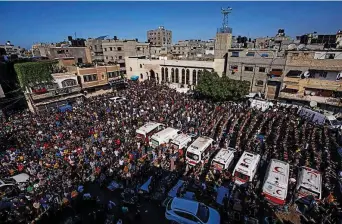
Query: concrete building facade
<point x="12" y="50"/>
<point x="181" y="72"/>
<point x="159" y="36"/>
<point x="313" y="76"/>
<point x="117" y="50"/>
<point x="262" y="68"/>
<point x="64" y="89"/>
<point x="78" y="54"/>
<point x="96" y="50"/>
<point x="193" y="49"/>
<point x="97" y="77"/>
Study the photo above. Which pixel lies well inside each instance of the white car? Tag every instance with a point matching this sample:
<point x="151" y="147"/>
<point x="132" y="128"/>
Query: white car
<point x="117" y="99"/>
<point x="185" y="211"/>
<point x="10" y="186"/>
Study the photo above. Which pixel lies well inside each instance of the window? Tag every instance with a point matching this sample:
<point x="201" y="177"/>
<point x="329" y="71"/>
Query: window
<point x="329" y="56"/>
<point x="141" y="76"/>
<point x="248" y="69"/>
<point x="235" y="54"/>
<point x="90" y="78"/>
<point x="69" y="82"/>
<point x="138" y="48"/>
<point x="241" y="176"/>
<point x="60" y="52"/>
<point x="233" y="67"/>
<point x="107" y="57"/>
<point x="264" y="55"/>
<point x="105" y="49"/>
<point x="194" y="77"/>
<point x="119" y="49"/>
<point x="259" y="83"/>
<point x="250" y="54"/>
<point x="183" y="76"/>
<point x="323" y="74"/>
<point x="177" y="75"/>
<point x="80" y="60"/>
<point x="110" y="49"/>
<point x="120" y="57"/>
<point x="203" y="212"/>
<point x="306" y="192"/>
<point x="262" y="69"/>
<point x="192" y="156"/>
<point x="185" y="215"/>
<point x="111" y="74"/>
<point x="140" y="65"/>
<point x="187" y="80"/>
<point x="130" y="68"/>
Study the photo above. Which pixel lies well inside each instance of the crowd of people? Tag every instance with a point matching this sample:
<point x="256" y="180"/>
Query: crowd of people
<point x="96" y="142"/>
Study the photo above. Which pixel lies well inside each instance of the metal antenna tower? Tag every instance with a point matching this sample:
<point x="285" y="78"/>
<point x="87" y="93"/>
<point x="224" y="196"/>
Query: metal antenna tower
<point x="225" y="13"/>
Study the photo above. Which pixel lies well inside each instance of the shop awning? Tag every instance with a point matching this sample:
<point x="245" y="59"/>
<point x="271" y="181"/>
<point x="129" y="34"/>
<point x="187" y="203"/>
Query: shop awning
<point x="135" y="78"/>
<point x="65" y="108"/>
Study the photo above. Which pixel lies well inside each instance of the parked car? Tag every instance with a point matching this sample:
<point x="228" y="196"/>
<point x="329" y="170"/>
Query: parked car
<point x="185" y="211"/>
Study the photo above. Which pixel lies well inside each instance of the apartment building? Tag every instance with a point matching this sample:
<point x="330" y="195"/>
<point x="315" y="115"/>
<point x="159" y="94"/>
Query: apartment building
<point x="96" y="50"/>
<point x="192" y="49"/>
<point x="313" y="77"/>
<point x="12" y="50"/>
<point x="159" y="36"/>
<point x="64" y="89"/>
<point x="117" y="50"/>
<point x="262" y="68"/>
<point x="97" y="77"/>
<point x="77" y="54"/>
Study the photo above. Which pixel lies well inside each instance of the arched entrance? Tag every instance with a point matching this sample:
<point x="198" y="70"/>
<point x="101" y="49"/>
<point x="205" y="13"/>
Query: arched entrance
<point x="152" y="75"/>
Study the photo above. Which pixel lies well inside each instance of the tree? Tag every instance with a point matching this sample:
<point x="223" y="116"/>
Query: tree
<point x="212" y="86"/>
<point x="31" y="73"/>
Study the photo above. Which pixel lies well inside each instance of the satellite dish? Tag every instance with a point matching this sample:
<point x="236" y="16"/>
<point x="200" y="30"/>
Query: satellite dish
<point x="307" y="74"/>
<point x="313" y="104"/>
<point x="291" y="47"/>
<point x="301" y="46"/>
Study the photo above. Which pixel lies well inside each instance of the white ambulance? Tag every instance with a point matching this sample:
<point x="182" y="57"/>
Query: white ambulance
<point x="181" y="141"/>
<point x="246" y="168"/>
<point x="261" y="104"/>
<point x="164" y="136"/>
<point x="309" y="183"/>
<point x="223" y="159"/>
<point x="276" y="182"/>
<point x="199" y="150"/>
<point x="149" y="129"/>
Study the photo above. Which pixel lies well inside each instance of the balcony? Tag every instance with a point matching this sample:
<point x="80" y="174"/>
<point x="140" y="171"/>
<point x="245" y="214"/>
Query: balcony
<point x="315" y="83"/>
<point x="56" y="92"/>
<point x="318" y="99"/>
<point x="321" y="84"/>
<point x="291" y="80"/>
